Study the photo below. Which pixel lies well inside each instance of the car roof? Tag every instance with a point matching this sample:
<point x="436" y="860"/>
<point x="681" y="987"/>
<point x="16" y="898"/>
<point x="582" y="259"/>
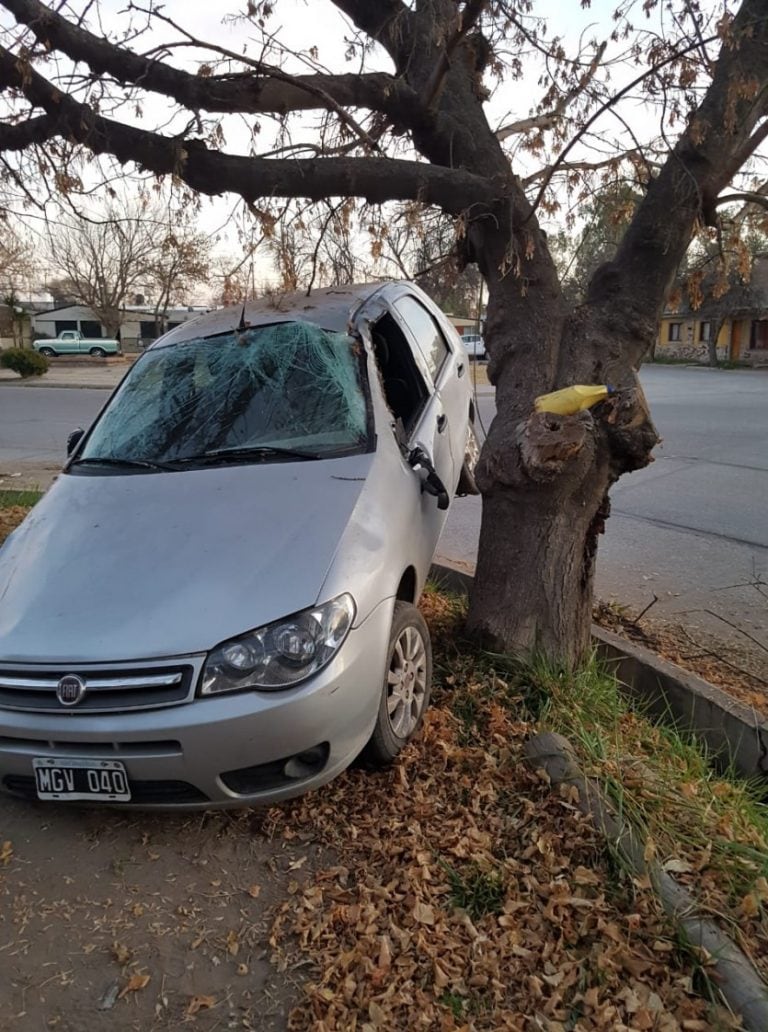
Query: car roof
<point x="330" y="308"/>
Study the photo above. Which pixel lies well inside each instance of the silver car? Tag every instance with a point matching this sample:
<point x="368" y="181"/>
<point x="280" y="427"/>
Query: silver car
<point x="215" y="602"/>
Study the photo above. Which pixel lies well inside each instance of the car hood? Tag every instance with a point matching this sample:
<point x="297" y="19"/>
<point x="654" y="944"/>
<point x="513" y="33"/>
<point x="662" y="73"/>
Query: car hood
<point x="111" y="568"/>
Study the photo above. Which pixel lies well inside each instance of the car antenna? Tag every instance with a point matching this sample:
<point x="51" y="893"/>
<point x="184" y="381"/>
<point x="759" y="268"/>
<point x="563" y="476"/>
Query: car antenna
<point x="241" y="327"/>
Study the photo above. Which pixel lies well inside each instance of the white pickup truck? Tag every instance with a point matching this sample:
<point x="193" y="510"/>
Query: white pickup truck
<point x="72" y="342"/>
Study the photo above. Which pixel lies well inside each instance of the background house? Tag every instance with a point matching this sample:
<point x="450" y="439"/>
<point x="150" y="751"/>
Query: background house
<point x="737" y="324"/>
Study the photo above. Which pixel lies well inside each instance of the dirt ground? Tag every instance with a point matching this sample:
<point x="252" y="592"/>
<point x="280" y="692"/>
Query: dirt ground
<point x="123" y="921"/>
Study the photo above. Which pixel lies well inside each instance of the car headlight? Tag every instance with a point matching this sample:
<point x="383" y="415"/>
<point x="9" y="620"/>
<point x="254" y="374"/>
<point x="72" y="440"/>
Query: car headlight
<point x="282" y="653"/>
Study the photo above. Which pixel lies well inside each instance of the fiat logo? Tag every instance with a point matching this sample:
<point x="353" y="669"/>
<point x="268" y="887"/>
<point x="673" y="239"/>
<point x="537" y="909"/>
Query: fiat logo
<point x="70" y="690"/>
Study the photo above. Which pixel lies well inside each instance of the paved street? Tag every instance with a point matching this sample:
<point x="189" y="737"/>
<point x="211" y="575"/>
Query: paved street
<point x="691" y="529"/>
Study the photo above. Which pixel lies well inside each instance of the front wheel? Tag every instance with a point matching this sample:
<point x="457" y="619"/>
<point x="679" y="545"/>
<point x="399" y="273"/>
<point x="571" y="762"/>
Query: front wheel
<point x="407" y="686"/>
<point x="98" y="352"/>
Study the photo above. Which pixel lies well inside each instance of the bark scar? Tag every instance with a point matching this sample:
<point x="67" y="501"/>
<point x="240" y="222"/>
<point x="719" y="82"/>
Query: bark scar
<point x="547" y="442"/>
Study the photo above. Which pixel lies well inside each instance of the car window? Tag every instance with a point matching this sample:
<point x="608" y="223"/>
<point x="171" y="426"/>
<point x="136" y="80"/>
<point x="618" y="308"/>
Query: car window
<point x="405" y="389"/>
<point x="428" y="334"/>
<point x="291" y="385"/>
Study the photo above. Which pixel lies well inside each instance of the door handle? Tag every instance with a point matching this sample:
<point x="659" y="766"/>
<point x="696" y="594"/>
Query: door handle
<point x="442" y="422"/>
<point x="460" y="369"/>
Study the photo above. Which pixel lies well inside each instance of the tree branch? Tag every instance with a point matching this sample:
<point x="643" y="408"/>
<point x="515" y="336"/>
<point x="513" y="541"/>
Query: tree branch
<point x="270" y="90"/>
<point x="746" y="196"/>
<point x="601" y="111"/>
<point x="550" y="118"/>
<point x="213" y="172"/>
<point x="33" y="130"/>
<point x="690" y="180"/>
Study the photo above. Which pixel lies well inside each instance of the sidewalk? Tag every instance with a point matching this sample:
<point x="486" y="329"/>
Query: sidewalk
<point x="103" y="375"/>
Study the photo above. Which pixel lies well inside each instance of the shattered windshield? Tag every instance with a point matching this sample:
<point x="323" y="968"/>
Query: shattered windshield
<point x="286" y="391"/>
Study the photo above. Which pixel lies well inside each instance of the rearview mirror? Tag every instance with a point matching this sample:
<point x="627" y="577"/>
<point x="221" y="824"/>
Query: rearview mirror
<point x="74" y="439"/>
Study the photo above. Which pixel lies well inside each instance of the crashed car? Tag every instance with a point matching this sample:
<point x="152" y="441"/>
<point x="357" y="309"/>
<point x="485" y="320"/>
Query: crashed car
<point x="215" y="603"/>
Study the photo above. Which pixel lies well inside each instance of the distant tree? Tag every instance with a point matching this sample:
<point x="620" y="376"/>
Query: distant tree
<point x="420" y="244"/>
<point x="63" y="291"/>
<point x="606" y="219"/>
<point x="17" y="261"/>
<point x="180" y="262"/>
<point x="103" y="261"/>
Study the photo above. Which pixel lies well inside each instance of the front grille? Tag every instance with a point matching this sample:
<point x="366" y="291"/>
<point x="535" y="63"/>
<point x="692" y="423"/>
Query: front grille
<point x="71" y="747"/>
<point x="116" y="688"/>
<point x="145" y="793"/>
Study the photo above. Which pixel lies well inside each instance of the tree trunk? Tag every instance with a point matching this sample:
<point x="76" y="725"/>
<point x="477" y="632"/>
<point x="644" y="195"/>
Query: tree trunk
<point x="545" y="478"/>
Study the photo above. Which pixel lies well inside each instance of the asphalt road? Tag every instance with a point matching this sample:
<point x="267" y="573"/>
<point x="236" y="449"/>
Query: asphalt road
<point x="691" y="529"/>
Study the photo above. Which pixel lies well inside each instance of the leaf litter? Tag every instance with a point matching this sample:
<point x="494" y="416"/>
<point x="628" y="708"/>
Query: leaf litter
<point x="466" y="895"/>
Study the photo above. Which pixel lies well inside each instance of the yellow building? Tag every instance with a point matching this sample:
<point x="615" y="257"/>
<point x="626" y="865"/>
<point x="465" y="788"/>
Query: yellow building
<point x="739" y="319"/>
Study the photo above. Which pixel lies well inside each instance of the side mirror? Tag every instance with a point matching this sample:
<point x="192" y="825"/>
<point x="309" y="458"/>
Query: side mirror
<point x="74" y="439"/>
<point x="431" y="484"/>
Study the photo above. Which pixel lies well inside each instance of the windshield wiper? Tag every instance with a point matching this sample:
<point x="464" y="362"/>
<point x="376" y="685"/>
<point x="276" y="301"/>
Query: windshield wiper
<point x="106" y="460"/>
<point x="245" y="453"/>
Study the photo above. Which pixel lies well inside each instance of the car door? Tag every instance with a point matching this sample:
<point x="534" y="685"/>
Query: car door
<point x="445" y="362"/>
<point x="67" y="343"/>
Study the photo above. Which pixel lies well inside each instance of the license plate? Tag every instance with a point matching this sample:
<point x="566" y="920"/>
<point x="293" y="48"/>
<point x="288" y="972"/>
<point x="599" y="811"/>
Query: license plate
<point x="63" y="778"/>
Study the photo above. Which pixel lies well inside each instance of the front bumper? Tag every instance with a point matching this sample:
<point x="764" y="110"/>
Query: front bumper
<point x="227" y="751"/>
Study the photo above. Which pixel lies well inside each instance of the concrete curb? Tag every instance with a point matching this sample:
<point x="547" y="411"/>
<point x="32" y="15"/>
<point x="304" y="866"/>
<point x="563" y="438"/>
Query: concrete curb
<point x="734" y="735"/>
<point x="61" y="386"/>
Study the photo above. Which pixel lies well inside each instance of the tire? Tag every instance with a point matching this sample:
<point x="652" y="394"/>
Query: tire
<point x="409" y="652"/>
<point x="467" y="484"/>
<point x="48" y="352"/>
<point x="98" y="352"/>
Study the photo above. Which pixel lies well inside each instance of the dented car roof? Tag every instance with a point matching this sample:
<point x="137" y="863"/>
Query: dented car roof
<point x="330" y="308"/>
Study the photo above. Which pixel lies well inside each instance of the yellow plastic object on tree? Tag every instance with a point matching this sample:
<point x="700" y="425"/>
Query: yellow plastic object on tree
<point x="569" y="400"/>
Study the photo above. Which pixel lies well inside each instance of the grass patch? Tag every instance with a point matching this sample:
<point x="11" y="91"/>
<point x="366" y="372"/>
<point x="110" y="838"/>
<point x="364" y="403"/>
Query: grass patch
<point x="476" y="890"/>
<point x="23" y="499"/>
<point x="454" y="1003"/>
<point x="698" y="822"/>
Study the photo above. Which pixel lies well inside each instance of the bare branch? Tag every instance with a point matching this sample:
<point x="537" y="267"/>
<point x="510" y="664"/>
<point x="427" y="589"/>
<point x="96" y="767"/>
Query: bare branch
<point x="603" y="108"/>
<point x="550" y="118"/>
<point x="268" y="90"/>
<point x="214" y="172"/>
<point x="746" y="196"/>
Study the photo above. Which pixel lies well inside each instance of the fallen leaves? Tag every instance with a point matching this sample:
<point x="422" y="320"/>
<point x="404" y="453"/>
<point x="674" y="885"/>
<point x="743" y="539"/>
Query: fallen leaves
<point x="6" y="852"/>
<point x="134" y="984"/>
<point x="198" y="1003"/>
<point x="405" y="932"/>
<point x="121" y="954"/>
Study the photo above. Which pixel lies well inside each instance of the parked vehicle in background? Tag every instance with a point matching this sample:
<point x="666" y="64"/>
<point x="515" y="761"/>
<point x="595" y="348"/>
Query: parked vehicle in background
<point x="72" y="342"/>
<point x="475" y="345"/>
<point x="280" y="473"/>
